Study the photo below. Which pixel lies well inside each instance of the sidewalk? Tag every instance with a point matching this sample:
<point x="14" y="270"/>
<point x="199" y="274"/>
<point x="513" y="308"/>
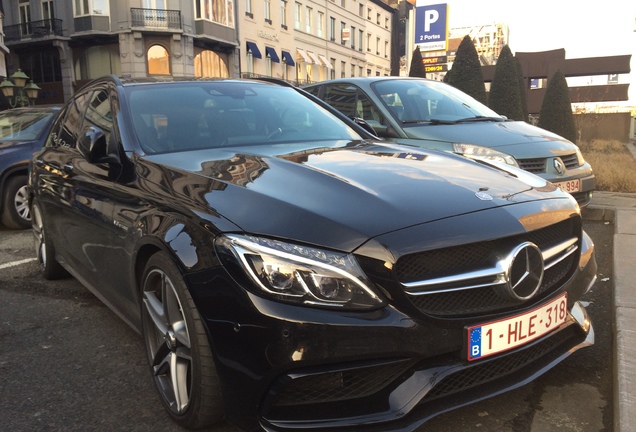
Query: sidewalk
<point x="621" y="209"/>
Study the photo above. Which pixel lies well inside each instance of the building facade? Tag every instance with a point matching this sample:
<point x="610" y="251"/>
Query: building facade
<point x="61" y="45"/>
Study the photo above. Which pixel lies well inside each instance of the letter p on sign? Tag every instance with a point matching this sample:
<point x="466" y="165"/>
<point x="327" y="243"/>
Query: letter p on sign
<point x="430" y="17"/>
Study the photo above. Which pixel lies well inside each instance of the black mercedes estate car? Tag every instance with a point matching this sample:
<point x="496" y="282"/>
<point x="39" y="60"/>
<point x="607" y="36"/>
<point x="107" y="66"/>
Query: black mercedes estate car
<point x="287" y="271"/>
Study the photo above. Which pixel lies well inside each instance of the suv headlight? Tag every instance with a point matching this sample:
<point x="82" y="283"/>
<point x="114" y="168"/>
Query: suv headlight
<point x="479" y="152"/>
<point x="301" y="274"/>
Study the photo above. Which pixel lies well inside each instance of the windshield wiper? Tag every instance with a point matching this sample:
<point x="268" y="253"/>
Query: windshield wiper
<point x="463" y="120"/>
<point x="480" y="119"/>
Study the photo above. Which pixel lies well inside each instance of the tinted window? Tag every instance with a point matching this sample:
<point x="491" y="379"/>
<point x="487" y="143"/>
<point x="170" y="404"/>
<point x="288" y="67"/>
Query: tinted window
<point x="342" y="97"/>
<point x="98" y="113"/>
<point x="68" y="132"/>
<point x="178" y="116"/>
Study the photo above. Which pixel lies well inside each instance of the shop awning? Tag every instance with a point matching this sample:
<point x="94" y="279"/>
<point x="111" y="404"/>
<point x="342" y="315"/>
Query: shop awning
<point x="253" y="48"/>
<point x="314" y="57"/>
<point x="287" y="58"/>
<point x="304" y="56"/>
<point x="271" y="52"/>
<point x="325" y="61"/>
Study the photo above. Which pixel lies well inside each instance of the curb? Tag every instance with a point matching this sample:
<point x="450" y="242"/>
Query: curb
<point x="624" y="308"/>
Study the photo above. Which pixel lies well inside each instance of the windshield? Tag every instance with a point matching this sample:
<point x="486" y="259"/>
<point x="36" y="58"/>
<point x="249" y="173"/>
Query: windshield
<point x="217" y="114"/>
<point x="24" y="126"/>
<point x="415" y="101"/>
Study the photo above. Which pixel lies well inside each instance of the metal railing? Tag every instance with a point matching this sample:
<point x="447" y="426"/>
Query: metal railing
<point x="33" y="30"/>
<point x="156" y="18"/>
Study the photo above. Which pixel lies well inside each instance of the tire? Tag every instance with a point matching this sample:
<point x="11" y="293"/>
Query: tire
<point x="16" y="213"/>
<point x="44" y="249"/>
<point x="178" y="349"/>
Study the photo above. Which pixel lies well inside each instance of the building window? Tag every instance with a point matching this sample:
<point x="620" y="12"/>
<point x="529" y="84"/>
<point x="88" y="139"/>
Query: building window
<point x="248" y="8"/>
<point x="158" y="60"/>
<point x="360" y="71"/>
<point x="342" y="33"/>
<point x="343" y="3"/>
<point x="360" y="39"/>
<point x="386" y="49"/>
<point x="91" y="7"/>
<point x="332" y="71"/>
<point x="332" y="29"/>
<point x="218" y="11"/>
<point x="297" y="12"/>
<point x="308" y="20"/>
<point x="25" y="17"/>
<point x="343" y="66"/>
<point x="47" y="10"/>
<point x="268" y="11"/>
<point x="268" y="66"/>
<point x="209" y="64"/>
<point x="369" y="14"/>
<point x="353" y="37"/>
<point x="353" y="70"/>
<point x="377" y="46"/>
<point x="377" y="20"/>
<point x="283" y="14"/>
<point x="321" y="25"/>
<point x="369" y="42"/>
<point x="97" y="61"/>
<point x="361" y="9"/>
<point x="386" y="23"/>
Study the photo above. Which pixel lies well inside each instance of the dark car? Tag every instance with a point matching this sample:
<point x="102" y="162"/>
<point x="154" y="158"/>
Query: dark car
<point x="436" y="115"/>
<point x="22" y="131"/>
<point x="288" y="272"/>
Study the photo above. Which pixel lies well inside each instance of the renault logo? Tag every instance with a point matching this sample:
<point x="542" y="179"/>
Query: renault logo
<point x="525" y="274"/>
<point x="559" y="166"/>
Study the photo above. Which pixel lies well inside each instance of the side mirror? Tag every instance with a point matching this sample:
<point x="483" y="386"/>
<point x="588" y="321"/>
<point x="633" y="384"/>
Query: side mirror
<point x="381" y="130"/>
<point x="96" y="148"/>
<point x="364" y="124"/>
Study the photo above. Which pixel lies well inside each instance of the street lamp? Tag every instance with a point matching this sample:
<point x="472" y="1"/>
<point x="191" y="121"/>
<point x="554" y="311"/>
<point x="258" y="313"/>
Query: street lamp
<point x="18" y="92"/>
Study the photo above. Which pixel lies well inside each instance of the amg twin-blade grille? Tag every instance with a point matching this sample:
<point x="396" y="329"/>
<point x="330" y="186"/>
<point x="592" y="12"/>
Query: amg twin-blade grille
<point x="338" y="386"/>
<point x="469" y="297"/>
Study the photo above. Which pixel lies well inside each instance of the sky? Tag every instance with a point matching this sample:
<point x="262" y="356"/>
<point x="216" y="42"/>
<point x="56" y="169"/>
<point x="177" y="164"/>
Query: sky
<point x="583" y="28"/>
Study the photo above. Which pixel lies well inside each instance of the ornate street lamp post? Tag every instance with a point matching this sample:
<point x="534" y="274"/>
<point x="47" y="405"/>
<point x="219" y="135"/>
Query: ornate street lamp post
<point x="18" y="92"/>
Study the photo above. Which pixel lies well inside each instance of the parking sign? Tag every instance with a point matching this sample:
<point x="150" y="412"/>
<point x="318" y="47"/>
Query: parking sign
<point x="431" y="26"/>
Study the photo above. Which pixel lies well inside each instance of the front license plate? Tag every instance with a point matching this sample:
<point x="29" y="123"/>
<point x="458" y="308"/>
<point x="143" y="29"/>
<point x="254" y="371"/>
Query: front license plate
<point x="569" y="186"/>
<point x="498" y="336"/>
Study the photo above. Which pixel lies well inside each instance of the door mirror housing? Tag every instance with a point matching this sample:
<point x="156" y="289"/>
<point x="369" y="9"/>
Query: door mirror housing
<point x="96" y="148"/>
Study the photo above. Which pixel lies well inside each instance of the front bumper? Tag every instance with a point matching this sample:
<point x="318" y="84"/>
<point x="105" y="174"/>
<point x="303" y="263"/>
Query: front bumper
<point x="285" y="367"/>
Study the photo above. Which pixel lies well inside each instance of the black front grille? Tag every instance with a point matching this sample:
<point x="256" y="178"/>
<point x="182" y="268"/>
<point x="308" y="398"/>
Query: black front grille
<point x="547" y="350"/>
<point x="341" y="385"/>
<point x="535" y="166"/>
<point x="460" y="259"/>
<point x="570" y="161"/>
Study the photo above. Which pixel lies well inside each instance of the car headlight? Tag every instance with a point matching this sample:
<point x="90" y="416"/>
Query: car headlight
<point x="301" y="274"/>
<point x="579" y="156"/>
<point x="480" y="152"/>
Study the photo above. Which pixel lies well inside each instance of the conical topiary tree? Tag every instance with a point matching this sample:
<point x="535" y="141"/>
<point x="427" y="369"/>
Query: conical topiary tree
<point x="417" y="67"/>
<point x="466" y="71"/>
<point x="522" y="89"/>
<point x="504" y="95"/>
<point x="556" y="109"/>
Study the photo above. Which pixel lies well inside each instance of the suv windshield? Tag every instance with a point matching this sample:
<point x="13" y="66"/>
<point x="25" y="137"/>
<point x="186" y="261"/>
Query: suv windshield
<point x="420" y="101"/>
<point x="201" y="115"/>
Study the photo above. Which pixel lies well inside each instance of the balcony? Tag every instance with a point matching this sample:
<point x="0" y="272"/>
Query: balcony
<point x="156" y="18"/>
<point x="33" y="30"/>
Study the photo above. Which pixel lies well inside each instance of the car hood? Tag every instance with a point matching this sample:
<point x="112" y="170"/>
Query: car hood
<point x="339" y="197"/>
<point x="516" y="138"/>
<point x="9" y="144"/>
